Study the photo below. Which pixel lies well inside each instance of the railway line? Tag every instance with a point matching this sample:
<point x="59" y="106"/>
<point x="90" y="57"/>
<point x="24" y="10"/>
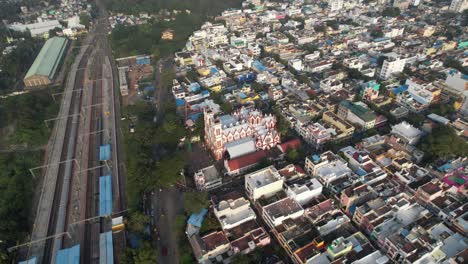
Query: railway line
<point x="69" y="212"/>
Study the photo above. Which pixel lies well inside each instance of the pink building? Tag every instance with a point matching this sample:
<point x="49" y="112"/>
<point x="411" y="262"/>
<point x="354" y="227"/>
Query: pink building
<point x="236" y="128"/>
<point x="457" y="178"/>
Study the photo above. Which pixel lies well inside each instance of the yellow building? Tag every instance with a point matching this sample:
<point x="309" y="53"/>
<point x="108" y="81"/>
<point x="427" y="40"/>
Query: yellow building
<point x="216" y="88"/>
<point x="167" y="34"/>
<point x="344" y="126"/>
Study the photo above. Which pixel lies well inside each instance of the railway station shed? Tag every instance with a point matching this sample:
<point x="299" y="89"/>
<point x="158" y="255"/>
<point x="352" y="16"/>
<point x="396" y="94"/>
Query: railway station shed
<point x="106" y="249"/>
<point x="47" y="63"/>
<point x="105" y="195"/>
<point x="69" y="255"/>
<point x="104" y="152"/>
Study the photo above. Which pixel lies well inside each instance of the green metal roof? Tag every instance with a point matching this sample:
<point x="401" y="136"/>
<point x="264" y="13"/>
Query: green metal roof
<point x="48" y="59"/>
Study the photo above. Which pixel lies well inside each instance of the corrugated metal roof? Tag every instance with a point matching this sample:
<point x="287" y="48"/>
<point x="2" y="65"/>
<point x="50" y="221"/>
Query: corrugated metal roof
<point x="69" y="255"/>
<point x="106" y="250"/>
<point x="48" y="59"/>
<point x="104" y="152"/>
<point x="105" y="195"/>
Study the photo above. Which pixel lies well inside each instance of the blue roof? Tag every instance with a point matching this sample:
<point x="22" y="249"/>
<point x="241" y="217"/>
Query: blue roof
<point x="32" y="260"/>
<point x="149" y="88"/>
<point x="315" y="157"/>
<point x="194" y="87"/>
<point x="242" y="95"/>
<point x="404" y="232"/>
<point x="197" y="219"/>
<point x="105" y="195"/>
<point x="106" y="249"/>
<point x="69" y="255"/>
<point x="205" y="92"/>
<point x="361" y="172"/>
<point x="400" y="89"/>
<point x="195" y="116"/>
<point x="259" y="66"/>
<point x="213" y="70"/>
<point x="444" y="168"/>
<point x="180" y="102"/>
<point x="104" y="152"/>
<point x="380" y="39"/>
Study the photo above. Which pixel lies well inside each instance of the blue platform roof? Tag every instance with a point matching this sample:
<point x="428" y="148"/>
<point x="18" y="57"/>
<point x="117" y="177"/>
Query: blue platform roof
<point x="106" y="249"/>
<point x="105" y="195"/>
<point x="104" y="152"/>
<point x="197" y="219"/>
<point x="69" y="255"/>
<point x="29" y="261"/>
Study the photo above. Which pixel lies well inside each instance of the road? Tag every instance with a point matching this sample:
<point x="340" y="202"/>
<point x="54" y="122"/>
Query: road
<point x="166" y="204"/>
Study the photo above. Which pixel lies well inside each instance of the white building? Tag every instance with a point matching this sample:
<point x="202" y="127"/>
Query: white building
<point x="274" y="214"/>
<point x="296" y="64"/>
<point x="407" y="132"/>
<point x="208" y="178"/>
<point x="232" y="213"/>
<point x="123" y="80"/>
<point x="304" y="189"/>
<point x="335" y="5"/>
<point x="391" y="66"/>
<point x="263" y="183"/>
<point x="38" y="29"/>
<point x="458" y="5"/>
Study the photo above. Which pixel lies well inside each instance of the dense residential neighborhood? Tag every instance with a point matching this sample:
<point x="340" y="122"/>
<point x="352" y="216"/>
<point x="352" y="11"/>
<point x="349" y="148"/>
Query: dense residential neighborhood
<point x="256" y="131"/>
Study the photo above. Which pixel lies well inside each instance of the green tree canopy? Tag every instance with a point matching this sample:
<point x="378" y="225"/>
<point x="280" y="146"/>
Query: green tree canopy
<point x="194" y="202"/>
<point x="443" y="142"/>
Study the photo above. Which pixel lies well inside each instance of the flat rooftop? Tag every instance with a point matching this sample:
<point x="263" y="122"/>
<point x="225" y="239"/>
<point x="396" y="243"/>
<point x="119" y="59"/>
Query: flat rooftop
<point x="263" y="177"/>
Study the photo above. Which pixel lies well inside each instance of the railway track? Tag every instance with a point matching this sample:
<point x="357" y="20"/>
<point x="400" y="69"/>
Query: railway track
<point x="57" y="222"/>
<point x="92" y="230"/>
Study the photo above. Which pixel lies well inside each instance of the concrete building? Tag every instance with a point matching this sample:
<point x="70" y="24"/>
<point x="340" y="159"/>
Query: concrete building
<point x="263" y="183"/>
<point x="233" y="211"/>
<point x="391" y="66"/>
<point x="208" y="178"/>
<point x="47" y="62"/>
<point x="123" y="80"/>
<point x="39" y="29"/>
<point x="244" y="123"/>
<point x="357" y="114"/>
<point x="335" y="5"/>
<point x="408" y="133"/>
<point x="304" y="189"/>
<point x="274" y="214"/>
<point x="458" y="5"/>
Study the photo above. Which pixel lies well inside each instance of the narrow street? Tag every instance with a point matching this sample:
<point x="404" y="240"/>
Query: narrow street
<point x="166" y="204"/>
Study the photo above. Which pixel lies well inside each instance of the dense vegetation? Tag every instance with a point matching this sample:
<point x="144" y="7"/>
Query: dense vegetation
<point x="444" y="143"/>
<point x="146" y="39"/>
<point x="24" y="117"/>
<point x="14" y="65"/>
<point x="198" y="7"/>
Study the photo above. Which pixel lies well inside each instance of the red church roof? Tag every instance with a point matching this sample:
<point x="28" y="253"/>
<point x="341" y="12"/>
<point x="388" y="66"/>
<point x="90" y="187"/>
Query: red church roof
<point x="291" y="144"/>
<point x="246" y="160"/>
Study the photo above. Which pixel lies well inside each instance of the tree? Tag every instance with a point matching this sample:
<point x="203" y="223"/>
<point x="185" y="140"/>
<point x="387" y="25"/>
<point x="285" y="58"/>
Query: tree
<point x="145" y="255"/>
<point x="138" y="222"/>
<point x="391" y="12"/>
<point x="443" y="142"/>
<point x="85" y="20"/>
<point x="194" y="202"/>
<point x="377" y="33"/>
<point x="167" y="171"/>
